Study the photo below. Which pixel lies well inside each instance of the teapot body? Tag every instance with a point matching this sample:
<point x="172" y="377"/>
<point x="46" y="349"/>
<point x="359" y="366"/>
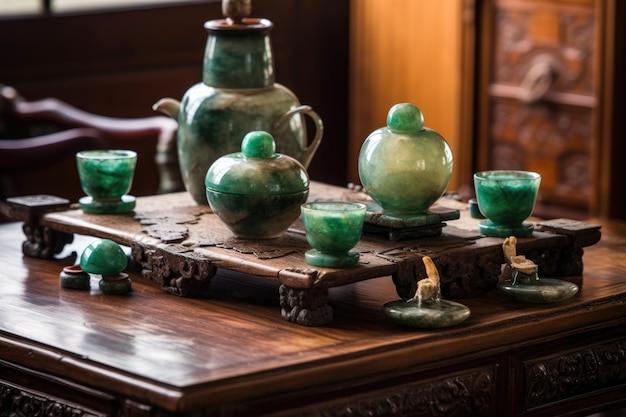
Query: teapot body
<point x="213" y="121"/>
<point x="237" y="95"/>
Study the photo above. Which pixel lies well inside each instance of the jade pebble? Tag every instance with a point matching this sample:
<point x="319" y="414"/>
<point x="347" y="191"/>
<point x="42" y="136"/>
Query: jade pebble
<point x="103" y="257"/>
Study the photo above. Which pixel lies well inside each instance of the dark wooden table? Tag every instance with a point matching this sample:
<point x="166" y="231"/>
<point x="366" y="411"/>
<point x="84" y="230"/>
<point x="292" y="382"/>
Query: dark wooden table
<point x="149" y="353"/>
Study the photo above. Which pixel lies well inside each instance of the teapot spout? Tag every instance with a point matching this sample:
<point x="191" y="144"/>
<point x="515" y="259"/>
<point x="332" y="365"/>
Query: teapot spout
<point x="168" y="106"/>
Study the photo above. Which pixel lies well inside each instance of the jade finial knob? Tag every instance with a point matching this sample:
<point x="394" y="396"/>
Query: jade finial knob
<point x="258" y="144"/>
<point x="404" y="118"/>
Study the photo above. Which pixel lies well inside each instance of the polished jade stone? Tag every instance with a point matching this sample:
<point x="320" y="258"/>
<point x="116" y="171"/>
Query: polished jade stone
<point x="228" y="57"/>
<point x="506" y="199"/>
<point x="257" y="169"/>
<point x="430" y="314"/>
<point x="405" y="167"/>
<point x="333" y="229"/>
<point x="106" y="175"/>
<point x="74" y="277"/>
<point x="103" y="257"/>
<point x="529" y="288"/>
<point x="125" y="204"/>
<point x="260" y="216"/>
<point x="117" y="284"/>
<point x="257" y="193"/>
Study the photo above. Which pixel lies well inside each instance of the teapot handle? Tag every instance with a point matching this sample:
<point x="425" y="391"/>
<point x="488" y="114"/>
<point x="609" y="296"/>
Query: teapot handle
<point x="307" y="150"/>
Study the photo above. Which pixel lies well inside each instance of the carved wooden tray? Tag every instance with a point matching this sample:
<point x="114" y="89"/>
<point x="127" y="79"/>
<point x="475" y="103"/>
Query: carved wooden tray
<point x="181" y="245"/>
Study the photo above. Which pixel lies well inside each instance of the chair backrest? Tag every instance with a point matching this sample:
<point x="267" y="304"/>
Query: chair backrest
<point x="39" y="140"/>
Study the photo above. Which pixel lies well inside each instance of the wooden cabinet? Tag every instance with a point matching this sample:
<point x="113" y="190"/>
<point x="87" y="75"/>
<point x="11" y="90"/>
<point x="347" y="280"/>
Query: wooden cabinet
<point x="542" y="98"/>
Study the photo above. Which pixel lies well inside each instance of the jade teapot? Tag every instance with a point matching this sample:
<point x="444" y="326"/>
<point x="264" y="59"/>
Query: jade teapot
<point x="404" y="166"/>
<point x="237" y="95"/>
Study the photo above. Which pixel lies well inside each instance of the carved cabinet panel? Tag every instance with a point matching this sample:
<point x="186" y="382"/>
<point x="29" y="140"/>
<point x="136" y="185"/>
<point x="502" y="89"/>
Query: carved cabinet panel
<point x="540" y="95"/>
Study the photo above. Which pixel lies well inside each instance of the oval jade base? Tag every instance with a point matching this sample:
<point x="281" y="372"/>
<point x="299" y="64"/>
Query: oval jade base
<point x="317" y="258"/>
<point x="489" y="228"/>
<point x="430" y="314"/>
<point x="123" y="205"/>
<point x="540" y="291"/>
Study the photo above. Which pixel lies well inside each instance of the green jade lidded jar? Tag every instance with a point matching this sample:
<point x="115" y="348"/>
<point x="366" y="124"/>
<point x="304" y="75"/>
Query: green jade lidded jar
<point x="257" y="193"/>
<point x="237" y="95"/>
<point x="405" y="167"/>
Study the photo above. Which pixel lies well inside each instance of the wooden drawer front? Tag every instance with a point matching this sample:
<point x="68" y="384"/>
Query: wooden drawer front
<point x="555" y="379"/>
<point x="552" y="140"/>
<point x="468" y="393"/>
<point x="561" y="35"/>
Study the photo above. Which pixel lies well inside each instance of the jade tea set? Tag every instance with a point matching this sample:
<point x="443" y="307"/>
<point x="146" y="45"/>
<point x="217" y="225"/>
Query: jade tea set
<point x="243" y="150"/>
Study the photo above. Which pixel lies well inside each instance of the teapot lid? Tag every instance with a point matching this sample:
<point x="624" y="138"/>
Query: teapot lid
<point x="237" y="20"/>
<point x="257" y="169"/>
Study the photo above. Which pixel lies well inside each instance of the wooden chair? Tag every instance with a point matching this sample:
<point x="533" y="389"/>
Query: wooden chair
<point x="39" y="140"/>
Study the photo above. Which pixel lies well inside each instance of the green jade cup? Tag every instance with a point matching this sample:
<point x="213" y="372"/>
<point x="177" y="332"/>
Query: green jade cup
<point x="506" y="199"/>
<point x="106" y="176"/>
<point x="333" y="228"/>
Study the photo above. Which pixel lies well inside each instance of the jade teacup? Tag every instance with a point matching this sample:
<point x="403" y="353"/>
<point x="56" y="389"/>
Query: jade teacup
<point x="106" y="176"/>
<point x="506" y="199"/>
<point x="333" y="228"/>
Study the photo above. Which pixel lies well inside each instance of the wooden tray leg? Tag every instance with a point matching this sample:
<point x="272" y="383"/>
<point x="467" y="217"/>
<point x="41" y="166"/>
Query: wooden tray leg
<point x="176" y="270"/>
<point x="307" y="307"/>
<point x="41" y="241"/>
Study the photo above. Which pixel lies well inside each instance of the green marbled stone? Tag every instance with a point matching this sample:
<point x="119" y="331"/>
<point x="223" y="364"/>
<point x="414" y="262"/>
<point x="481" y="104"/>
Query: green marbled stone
<point x="250" y="216"/>
<point x="529" y="288"/>
<point x="73" y="277"/>
<point x="257" y="193"/>
<point x="431" y="313"/>
<point x="238" y="95"/>
<point x="213" y="123"/>
<point x="506" y="199"/>
<point x="228" y="56"/>
<point x="405" y="167"/>
<point x="106" y="175"/>
<point x="103" y="257"/>
<point x="332" y="229"/>
<point x="125" y="204"/>
<point x="119" y="284"/>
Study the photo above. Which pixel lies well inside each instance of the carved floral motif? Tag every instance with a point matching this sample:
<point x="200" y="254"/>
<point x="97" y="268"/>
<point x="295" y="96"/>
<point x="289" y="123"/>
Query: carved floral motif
<point x="462" y="395"/>
<point x="577" y="373"/>
<point x="18" y="403"/>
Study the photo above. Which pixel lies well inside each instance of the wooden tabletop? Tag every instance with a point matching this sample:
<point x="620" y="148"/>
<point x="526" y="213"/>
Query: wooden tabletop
<point x="226" y="346"/>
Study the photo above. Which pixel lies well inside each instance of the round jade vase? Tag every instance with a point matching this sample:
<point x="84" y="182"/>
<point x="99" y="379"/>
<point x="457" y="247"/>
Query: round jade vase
<point x="405" y="167"/>
<point x="237" y="95"/>
<point x="257" y="193"/>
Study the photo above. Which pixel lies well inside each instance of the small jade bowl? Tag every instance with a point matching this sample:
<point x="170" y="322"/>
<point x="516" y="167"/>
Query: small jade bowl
<point x="506" y="199"/>
<point x="106" y="176"/>
<point x="333" y="228"/>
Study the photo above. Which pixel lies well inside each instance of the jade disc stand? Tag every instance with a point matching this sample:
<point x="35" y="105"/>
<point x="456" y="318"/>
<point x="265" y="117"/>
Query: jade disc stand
<point x="180" y="245"/>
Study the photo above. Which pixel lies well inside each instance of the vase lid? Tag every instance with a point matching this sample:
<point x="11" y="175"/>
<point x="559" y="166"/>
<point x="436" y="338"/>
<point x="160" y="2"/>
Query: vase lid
<point x="237" y="20"/>
<point x="257" y="169"/>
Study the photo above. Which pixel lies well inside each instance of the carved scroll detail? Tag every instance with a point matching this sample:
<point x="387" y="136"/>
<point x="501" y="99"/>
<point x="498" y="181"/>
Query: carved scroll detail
<point x="176" y="269"/>
<point x="576" y="373"/>
<point x="307" y="307"/>
<point x="462" y="395"/>
<point x="43" y="242"/>
<point x="18" y="403"/>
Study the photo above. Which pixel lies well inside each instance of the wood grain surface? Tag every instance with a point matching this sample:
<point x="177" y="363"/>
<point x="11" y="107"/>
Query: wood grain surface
<point x="227" y="346"/>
